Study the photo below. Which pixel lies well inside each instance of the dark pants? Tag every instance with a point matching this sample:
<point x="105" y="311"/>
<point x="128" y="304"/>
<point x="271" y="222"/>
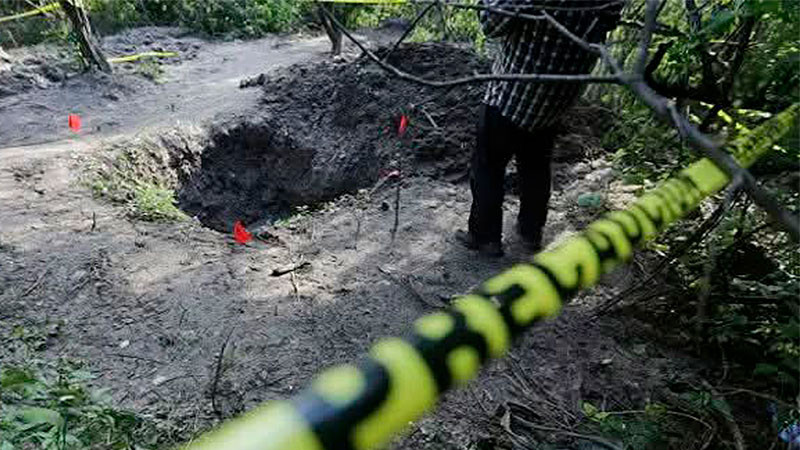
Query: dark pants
<point x="498" y="140"/>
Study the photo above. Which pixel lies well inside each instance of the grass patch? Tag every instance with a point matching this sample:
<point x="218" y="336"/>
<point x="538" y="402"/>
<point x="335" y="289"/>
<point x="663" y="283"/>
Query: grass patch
<point x="142" y="174"/>
<point x="49" y="405"/>
<point x="152" y="70"/>
<point x="143" y="200"/>
<point x="155" y="203"/>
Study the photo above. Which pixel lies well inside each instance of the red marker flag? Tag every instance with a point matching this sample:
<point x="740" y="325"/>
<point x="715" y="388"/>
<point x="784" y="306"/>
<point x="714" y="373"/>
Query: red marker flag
<point x="75" y="122"/>
<point x="403" y="125"/>
<point x="240" y="234"/>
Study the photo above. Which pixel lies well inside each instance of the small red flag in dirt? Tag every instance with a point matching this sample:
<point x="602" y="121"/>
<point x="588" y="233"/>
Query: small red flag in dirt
<point x="240" y="234"/>
<point x="403" y="125"/>
<point x="75" y="122"/>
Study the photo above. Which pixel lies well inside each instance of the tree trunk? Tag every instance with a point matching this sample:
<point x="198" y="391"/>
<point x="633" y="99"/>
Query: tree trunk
<point x="83" y="31"/>
<point x="334" y="34"/>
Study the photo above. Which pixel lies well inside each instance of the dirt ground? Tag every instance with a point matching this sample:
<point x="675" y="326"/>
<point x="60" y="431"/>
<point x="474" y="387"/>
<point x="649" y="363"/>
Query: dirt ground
<point x="149" y="305"/>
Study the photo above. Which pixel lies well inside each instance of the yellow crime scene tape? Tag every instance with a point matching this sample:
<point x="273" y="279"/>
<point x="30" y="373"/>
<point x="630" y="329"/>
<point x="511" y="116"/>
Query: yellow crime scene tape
<point x="41" y="10"/>
<point x="138" y="56"/>
<point x="362" y="406"/>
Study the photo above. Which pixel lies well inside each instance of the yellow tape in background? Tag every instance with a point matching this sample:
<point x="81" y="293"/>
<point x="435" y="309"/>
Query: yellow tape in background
<point x="138" y="56"/>
<point x="44" y="9"/>
<point x="362" y="406"/>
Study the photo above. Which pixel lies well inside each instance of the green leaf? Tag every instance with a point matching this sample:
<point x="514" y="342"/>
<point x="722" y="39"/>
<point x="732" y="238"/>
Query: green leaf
<point x="589" y="409"/>
<point x="593" y="413"/>
<point x="765" y="369"/>
<point x="600" y="416"/>
<point x="591" y="199"/>
<point x="722" y="406"/>
<point x="655" y="409"/>
<point x="15" y="376"/>
<point x="37" y="416"/>
<point x="719" y="22"/>
<point x="791" y="330"/>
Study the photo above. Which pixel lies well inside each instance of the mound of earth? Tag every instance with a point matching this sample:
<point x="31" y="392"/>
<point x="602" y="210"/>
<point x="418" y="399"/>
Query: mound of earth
<point x="355" y="108"/>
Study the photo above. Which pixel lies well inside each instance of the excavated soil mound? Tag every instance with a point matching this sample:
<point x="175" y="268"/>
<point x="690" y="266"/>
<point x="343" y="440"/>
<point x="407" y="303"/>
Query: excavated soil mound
<point x="356" y="107"/>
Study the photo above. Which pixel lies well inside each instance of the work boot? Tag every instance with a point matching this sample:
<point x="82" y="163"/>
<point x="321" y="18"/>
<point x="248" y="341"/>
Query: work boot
<point x="492" y="249"/>
<point x="531" y="242"/>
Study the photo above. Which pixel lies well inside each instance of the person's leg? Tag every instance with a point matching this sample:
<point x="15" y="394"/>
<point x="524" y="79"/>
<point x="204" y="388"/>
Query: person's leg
<point x="487" y="174"/>
<point x="533" y="152"/>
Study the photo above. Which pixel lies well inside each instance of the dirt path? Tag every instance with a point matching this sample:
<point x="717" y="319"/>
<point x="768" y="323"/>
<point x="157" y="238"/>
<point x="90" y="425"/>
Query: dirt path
<point x="200" y="85"/>
<point x="150" y="305"/>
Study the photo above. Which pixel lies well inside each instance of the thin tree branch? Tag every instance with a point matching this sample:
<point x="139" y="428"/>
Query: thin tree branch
<point x="475" y="78"/>
<point x="660" y="28"/>
<point x="695" y="23"/>
<point x="408" y="31"/>
<point x="650" y="17"/>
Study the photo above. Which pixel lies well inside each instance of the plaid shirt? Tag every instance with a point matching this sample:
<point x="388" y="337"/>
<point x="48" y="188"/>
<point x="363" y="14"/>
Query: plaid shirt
<point x="535" y="46"/>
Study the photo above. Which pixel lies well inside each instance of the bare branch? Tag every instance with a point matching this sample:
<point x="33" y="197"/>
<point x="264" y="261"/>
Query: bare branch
<point x="572" y="36"/>
<point x="660" y="27"/>
<point x="409" y="30"/>
<point x="647" y="36"/>
<point x="667" y="111"/>
<point x="702" y="47"/>
<point x="568" y="78"/>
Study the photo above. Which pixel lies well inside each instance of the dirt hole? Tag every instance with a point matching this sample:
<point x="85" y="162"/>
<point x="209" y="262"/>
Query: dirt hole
<point x="245" y="170"/>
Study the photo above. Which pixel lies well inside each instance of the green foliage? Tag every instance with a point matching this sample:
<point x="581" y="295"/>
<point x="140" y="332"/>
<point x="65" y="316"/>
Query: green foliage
<point x="49" y="406"/>
<point x="635" y="429"/>
<point x="148" y="201"/>
<point x="151" y="69"/>
<point x="133" y="179"/>
<point x="30" y="30"/>
<point x="234" y="18"/>
<point x="155" y="203"/>
<point x="746" y="273"/>
<point x="461" y="25"/>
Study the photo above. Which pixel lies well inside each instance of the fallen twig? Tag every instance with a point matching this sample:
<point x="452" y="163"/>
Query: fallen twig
<point x="427" y="114"/>
<point x="404" y="282"/>
<point x="396" y="211"/>
<point x="218" y="374"/>
<point x="140" y="358"/>
<point x="588" y="437"/>
<point x="736" y="391"/>
<point x="283" y="271"/>
<point x="36" y="284"/>
<point x="736" y="433"/>
<point x="294" y="285"/>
